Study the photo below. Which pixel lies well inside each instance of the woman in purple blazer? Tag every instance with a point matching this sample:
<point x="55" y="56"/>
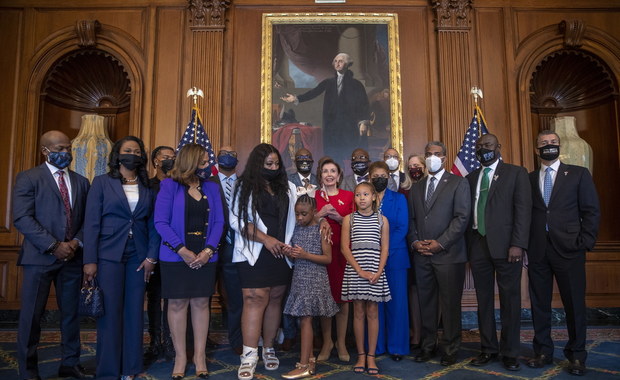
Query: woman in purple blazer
<point x="189" y="217"/>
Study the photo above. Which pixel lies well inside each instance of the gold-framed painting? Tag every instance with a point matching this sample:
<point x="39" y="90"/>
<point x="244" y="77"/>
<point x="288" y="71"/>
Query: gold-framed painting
<point x="330" y="83"/>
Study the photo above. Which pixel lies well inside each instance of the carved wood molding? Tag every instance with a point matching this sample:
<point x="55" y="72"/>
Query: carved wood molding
<point x="573" y="31"/>
<point x="452" y="14"/>
<point x="208" y="14"/>
<point x="86" y="31"/>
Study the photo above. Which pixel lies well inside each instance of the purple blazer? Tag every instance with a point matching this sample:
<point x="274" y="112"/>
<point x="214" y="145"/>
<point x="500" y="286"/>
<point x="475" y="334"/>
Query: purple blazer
<point x="170" y="217"/>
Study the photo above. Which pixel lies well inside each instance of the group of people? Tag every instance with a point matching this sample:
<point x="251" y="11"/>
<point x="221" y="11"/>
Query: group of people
<point x="290" y="247"/>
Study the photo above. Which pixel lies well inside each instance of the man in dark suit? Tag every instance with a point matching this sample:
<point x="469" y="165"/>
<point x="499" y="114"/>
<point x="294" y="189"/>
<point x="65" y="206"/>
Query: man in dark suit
<point x="360" y="162"/>
<point x="565" y="219"/>
<point x="345" y="110"/>
<point x="497" y="237"/>
<point x="396" y="178"/>
<point x="439" y="207"/>
<point x="227" y="178"/>
<point x="304" y="176"/>
<point x="48" y="209"/>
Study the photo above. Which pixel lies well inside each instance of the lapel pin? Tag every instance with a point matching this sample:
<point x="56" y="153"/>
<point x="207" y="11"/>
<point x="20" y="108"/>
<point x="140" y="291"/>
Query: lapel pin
<point x="565" y="173"/>
<point x="495" y="177"/>
<point x="341" y="203"/>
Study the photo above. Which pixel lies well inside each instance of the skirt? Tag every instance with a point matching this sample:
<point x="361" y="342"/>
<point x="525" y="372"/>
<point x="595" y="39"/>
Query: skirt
<point x="267" y="272"/>
<point x="178" y="280"/>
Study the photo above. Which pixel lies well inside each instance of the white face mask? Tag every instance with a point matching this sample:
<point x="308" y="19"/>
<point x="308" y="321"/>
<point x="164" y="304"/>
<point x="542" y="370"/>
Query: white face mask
<point x="433" y="163"/>
<point x="392" y="163"/>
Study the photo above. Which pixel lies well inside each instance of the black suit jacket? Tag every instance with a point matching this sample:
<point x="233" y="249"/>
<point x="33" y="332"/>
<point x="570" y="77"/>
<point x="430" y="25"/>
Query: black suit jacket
<point x="508" y="210"/>
<point x="573" y="213"/>
<point x="39" y="213"/>
<point x="445" y="220"/>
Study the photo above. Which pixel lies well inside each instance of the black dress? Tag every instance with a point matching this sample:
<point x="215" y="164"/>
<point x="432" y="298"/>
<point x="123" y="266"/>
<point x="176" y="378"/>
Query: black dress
<point x="182" y="281"/>
<point x="268" y="271"/>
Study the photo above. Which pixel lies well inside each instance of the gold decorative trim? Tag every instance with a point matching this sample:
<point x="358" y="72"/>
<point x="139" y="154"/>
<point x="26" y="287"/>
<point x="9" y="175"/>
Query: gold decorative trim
<point x="389" y="19"/>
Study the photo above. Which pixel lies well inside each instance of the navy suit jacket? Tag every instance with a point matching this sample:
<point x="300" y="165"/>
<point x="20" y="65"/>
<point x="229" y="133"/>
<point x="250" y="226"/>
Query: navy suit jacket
<point x="394" y="208"/>
<point x="39" y="213"/>
<point x="445" y="220"/>
<point x="573" y="213"/>
<point x="109" y="219"/>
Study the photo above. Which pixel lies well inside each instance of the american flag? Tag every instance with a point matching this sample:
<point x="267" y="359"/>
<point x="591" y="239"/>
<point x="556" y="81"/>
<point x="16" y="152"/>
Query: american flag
<point x="201" y="137"/>
<point x="466" y="161"/>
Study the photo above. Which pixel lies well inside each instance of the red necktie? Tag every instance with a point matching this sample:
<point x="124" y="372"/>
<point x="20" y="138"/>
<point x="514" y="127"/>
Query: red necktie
<point x="64" y="193"/>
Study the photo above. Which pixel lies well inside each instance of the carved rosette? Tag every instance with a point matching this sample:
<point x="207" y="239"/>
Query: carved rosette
<point x="208" y="14"/>
<point x="452" y="14"/>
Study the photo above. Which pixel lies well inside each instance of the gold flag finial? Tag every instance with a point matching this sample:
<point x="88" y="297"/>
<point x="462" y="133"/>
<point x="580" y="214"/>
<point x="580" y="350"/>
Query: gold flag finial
<point x="195" y="93"/>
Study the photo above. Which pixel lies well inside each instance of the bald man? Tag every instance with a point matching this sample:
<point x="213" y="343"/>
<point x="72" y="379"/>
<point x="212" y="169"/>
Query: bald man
<point x="303" y="163"/>
<point x="48" y="209"/>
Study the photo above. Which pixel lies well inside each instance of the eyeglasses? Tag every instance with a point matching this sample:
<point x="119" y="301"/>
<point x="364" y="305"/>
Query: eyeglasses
<point x="228" y="153"/>
<point x="359" y="158"/>
<point x="388" y="156"/>
<point x="438" y="154"/>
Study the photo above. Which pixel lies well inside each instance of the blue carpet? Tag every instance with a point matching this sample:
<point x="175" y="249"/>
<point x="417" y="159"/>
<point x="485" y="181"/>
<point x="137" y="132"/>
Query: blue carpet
<point x="603" y="361"/>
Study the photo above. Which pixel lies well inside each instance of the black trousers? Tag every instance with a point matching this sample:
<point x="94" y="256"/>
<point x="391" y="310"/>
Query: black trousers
<point x="158" y="320"/>
<point x="570" y="275"/>
<point x="234" y="298"/>
<point x="486" y="270"/>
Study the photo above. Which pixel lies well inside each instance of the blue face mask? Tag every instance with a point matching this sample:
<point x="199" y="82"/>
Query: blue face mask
<point x="203" y="173"/>
<point x="227" y="161"/>
<point x="59" y="159"/>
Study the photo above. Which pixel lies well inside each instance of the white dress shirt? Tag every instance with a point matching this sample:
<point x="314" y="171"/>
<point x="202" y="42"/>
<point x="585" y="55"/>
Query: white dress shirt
<point x="55" y="174"/>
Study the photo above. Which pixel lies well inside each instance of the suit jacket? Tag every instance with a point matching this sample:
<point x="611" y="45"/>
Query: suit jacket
<point x="446" y="218"/>
<point x="349" y="183"/>
<point x="294" y="177"/>
<point x="227" y="230"/>
<point x="573" y="213"/>
<point x="109" y="219"/>
<point x="508" y="210"/>
<point x="39" y="213"/>
<point x="170" y="217"/>
<point x="394" y="208"/>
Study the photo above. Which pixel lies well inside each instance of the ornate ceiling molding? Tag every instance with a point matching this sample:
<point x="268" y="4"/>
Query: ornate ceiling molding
<point x="208" y="14"/>
<point x="86" y="31"/>
<point x="452" y="14"/>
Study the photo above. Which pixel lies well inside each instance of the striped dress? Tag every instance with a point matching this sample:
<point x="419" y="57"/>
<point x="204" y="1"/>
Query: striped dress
<point x="366" y="249"/>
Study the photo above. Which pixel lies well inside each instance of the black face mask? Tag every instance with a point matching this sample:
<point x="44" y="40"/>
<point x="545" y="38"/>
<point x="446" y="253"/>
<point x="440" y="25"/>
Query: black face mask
<point x="269" y="174"/>
<point x="304" y="166"/>
<point x="380" y="183"/>
<point x="485" y="156"/>
<point x="416" y="173"/>
<point x="549" y="152"/>
<point x="166" y="165"/>
<point x="359" y="167"/>
<point x="131" y="161"/>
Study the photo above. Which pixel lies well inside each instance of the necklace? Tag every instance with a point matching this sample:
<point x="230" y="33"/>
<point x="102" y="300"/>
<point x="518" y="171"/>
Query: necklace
<point x="126" y="180"/>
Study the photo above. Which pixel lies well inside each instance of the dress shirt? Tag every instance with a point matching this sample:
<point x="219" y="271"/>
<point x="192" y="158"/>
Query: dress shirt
<point x="490" y="174"/>
<point x="54" y="170"/>
<point x="541" y="175"/>
<point x="438" y="176"/>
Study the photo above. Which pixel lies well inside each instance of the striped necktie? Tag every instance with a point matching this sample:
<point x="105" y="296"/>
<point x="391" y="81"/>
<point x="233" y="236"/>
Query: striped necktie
<point x="429" y="192"/>
<point x="64" y="193"/>
<point x="228" y="185"/>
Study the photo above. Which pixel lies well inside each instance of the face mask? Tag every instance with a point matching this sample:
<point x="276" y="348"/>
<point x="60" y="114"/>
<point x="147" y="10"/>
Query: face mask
<point x="304" y="166"/>
<point x="549" y="152"/>
<point x="203" y="173"/>
<point x="59" y="159"/>
<point x="359" y="167"/>
<point x="130" y="161"/>
<point x="433" y="163"/>
<point x="227" y="162"/>
<point x="269" y="174"/>
<point x="392" y="163"/>
<point x="166" y="165"/>
<point x="416" y="173"/>
<point x="485" y="156"/>
<point x="380" y="183"/>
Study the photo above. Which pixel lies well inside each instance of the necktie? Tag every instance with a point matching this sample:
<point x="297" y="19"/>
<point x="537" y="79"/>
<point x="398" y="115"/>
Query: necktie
<point x="482" y="201"/>
<point x="228" y="184"/>
<point x="362" y="178"/>
<point x="547" y="186"/>
<point x="306" y="182"/>
<point x="394" y="184"/>
<point x="429" y="192"/>
<point x="64" y="193"/>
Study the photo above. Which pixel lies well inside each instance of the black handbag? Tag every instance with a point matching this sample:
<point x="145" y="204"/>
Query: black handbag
<point x="91" y="300"/>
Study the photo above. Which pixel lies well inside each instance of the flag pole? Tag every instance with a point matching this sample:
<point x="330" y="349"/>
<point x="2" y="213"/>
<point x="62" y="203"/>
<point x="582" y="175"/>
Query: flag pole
<point x="476" y="92"/>
<point x="195" y="93"/>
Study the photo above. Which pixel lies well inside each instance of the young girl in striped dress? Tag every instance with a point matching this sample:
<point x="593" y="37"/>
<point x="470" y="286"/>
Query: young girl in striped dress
<point x="365" y="242"/>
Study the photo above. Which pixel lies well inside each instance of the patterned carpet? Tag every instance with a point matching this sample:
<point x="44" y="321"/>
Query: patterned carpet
<point x="603" y="360"/>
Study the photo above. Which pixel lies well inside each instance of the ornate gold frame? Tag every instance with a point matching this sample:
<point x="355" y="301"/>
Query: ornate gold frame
<point x="390" y="19"/>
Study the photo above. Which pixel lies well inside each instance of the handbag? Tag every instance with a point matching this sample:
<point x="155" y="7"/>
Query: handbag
<point x="91" y="300"/>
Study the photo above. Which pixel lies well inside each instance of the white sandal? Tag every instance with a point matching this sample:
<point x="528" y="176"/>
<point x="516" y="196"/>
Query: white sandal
<point x="270" y="359"/>
<point x="247" y="367"/>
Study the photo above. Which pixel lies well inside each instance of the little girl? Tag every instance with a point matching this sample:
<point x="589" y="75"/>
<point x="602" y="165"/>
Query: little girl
<point x="365" y="242"/>
<point x="310" y="294"/>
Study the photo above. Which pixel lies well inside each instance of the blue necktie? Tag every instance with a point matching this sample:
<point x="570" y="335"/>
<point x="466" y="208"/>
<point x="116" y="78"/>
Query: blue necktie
<point x="547" y="186"/>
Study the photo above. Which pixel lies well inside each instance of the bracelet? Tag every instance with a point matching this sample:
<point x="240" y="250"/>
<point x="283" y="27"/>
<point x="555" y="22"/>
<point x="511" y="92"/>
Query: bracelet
<point x="151" y="260"/>
<point x="208" y="251"/>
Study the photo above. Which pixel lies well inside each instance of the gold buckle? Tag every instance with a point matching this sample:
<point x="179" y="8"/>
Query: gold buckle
<point x="196" y="233"/>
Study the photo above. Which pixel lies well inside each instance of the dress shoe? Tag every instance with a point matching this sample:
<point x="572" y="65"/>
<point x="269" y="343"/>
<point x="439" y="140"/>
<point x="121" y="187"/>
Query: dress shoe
<point x="482" y="359"/>
<point x="77" y="371"/>
<point x="423" y="356"/>
<point x="447" y="360"/>
<point x="300" y="371"/>
<point x="511" y="364"/>
<point x="397" y="357"/>
<point x="539" y="361"/>
<point x="576" y="367"/>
